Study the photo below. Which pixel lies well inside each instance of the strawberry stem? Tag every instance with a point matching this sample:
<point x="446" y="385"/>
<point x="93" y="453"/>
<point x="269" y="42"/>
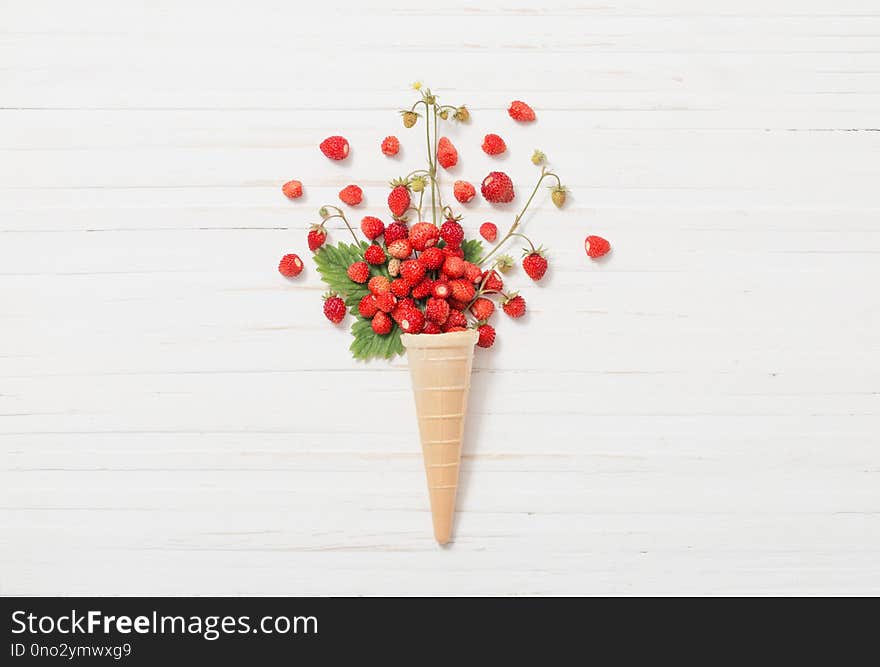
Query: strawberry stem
<point x="339" y="214"/>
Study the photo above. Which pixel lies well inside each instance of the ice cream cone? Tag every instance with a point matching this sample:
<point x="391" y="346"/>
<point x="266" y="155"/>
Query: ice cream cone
<point x="440" y="370"/>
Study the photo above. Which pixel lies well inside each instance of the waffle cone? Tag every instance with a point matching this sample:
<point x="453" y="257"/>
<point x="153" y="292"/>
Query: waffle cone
<point x="440" y="370"/>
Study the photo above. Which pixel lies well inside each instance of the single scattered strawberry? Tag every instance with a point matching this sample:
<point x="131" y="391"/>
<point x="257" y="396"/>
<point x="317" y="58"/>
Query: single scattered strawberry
<point x="334" y="308"/>
<point x="486" y="335"/>
<point x="431" y="328"/>
<point x="493" y="145"/>
<point x="412" y="321"/>
<point x="359" y="272"/>
<point x="462" y="290"/>
<point x="453" y="251"/>
<point x="316" y="238"/>
<point x="436" y="310"/>
<point x="423" y="235"/>
<point x="596" y="246"/>
<point x="489" y="231"/>
<point x="432" y="258"/>
<point x="456" y="319"/>
<point x="394" y="267"/>
<point x="423" y="288"/>
<point x="535" y="265"/>
<point x="557" y="195"/>
<point x="351" y="195"/>
<point x="372" y="227"/>
<point x="400" y="287"/>
<point x="398" y="199"/>
<point x="497" y="188"/>
<point x="482" y="308"/>
<point x="367" y="306"/>
<point x="514" y="305"/>
<point x="463" y="191"/>
<point x="441" y="290"/>
<point x="386" y="301"/>
<point x="335" y="147"/>
<point x="374" y="254"/>
<point x="400" y="249"/>
<point x="290" y="266"/>
<point x="379" y="285"/>
<point x="453" y="267"/>
<point x="292" y="189"/>
<point x="390" y="146"/>
<point x="520" y="111"/>
<point x="381" y="323"/>
<point x="412" y="270"/>
<point x="472" y="272"/>
<point x="447" y="155"/>
<point x="394" y="231"/>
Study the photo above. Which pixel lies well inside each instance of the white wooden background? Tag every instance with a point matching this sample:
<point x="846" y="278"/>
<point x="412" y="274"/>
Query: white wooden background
<point x="699" y="414"/>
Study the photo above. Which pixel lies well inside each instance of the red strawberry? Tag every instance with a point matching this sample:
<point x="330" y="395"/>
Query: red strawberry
<point x="432" y="258"/>
<point x="453" y="329"/>
<point x="453" y="251"/>
<point x="412" y="321"/>
<point x="596" y="246"/>
<point x="520" y="111"/>
<point x="441" y="289"/>
<point x="437" y="310"/>
<point x="472" y="272"/>
<point x="486" y="335"/>
<point x="455" y="304"/>
<point x="489" y="231"/>
<point x="381" y="323"/>
<point x="398" y="199"/>
<point x="423" y="288"/>
<point x="493" y="145"/>
<point x="412" y="270"/>
<point x="456" y="319"/>
<point x="400" y="287"/>
<point x="400" y="249"/>
<point x="497" y="188"/>
<point x="463" y="191"/>
<point x="535" y="265"/>
<point x="423" y="235"/>
<point x="400" y="309"/>
<point x="292" y="189"/>
<point x="462" y="290"/>
<point x="447" y="156"/>
<point x="379" y="285"/>
<point x="367" y="306"/>
<point x="334" y="308"/>
<point x="482" y="308"/>
<point x="386" y="301"/>
<point x="453" y="267"/>
<point x="374" y="254"/>
<point x="351" y="195"/>
<point x="390" y="146"/>
<point x="394" y="231"/>
<point x="493" y="282"/>
<point x="336" y="148"/>
<point x="316" y="238"/>
<point x="372" y="227"/>
<point x="452" y="233"/>
<point x="514" y="305"/>
<point x="431" y="328"/>
<point x="359" y="272"/>
<point x="290" y="266"/>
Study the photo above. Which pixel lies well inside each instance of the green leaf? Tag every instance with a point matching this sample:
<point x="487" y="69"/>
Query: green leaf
<point x="367" y="344"/>
<point x="333" y="263"/>
<point x="473" y="249"/>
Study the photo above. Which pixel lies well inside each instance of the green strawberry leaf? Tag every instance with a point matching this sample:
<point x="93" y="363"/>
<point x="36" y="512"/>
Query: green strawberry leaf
<point x="473" y="250"/>
<point x="333" y="262"/>
<point x="367" y="344"/>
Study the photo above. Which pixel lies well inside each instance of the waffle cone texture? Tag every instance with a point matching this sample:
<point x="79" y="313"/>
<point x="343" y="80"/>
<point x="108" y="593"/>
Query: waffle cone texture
<point x="440" y="370"/>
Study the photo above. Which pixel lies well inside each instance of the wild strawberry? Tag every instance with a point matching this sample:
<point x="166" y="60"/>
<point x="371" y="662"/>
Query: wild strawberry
<point x="456" y="319"/>
<point x="497" y="188"/>
<point x="386" y="302"/>
<point x="493" y="144"/>
<point x="372" y="227"/>
<point x="505" y="263"/>
<point x="557" y="195"/>
<point x="381" y="323"/>
<point x="463" y="191"/>
<point x="394" y="267"/>
<point x="418" y="183"/>
<point x="423" y="288"/>
<point x="514" y="305"/>
<point x="379" y="285"/>
<point x="436" y="310"/>
<point x="351" y="195"/>
<point x="455" y="304"/>
<point x="472" y="272"/>
<point x="400" y="287"/>
<point x="454" y="329"/>
<point x="447" y="156"/>
<point x="482" y="308"/>
<point x="409" y="118"/>
<point x="400" y="249"/>
<point x="486" y="335"/>
<point x="462" y="290"/>
<point x="292" y="189"/>
<point x="489" y="231"/>
<point x="412" y="270"/>
<point x="520" y="111"/>
<point x="290" y="266"/>
<point x="423" y="235"/>
<point x="398" y="198"/>
<point x="316" y="238"/>
<point x="452" y="233"/>
<point x="394" y="231"/>
<point x="336" y="148"/>
<point x="538" y="157"/>
<point x="441" y="290"/>
<point x="374" y="254"/>
<point x="359" y="272"/>
<point x="432" y="258"/>
<point x="412" y="321"/>
<point x="453" y="251"/>
<point x="596" y="246"/>
<point x="400" y="309"/>
<point x="492" y="282"/>
<point x="453" y="267"/>
<point x="431" y="328"/>
<point x="390" y="146"/>
<point x="535" y="265"/>
<point x="367" y="306"/>
<point x="461" y="114"/>
<point x="334" y="308"/>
